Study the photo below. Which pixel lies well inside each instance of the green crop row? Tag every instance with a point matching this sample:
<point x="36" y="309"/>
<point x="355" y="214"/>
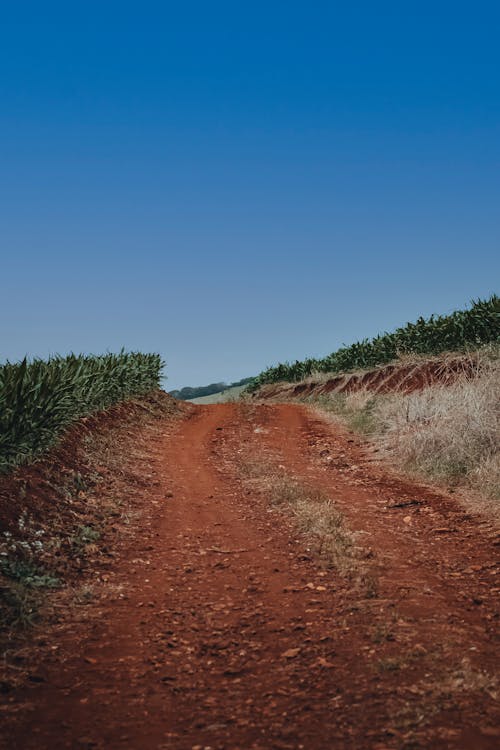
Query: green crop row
<point x="39" y="398"/>
<point x="461" y="331"/>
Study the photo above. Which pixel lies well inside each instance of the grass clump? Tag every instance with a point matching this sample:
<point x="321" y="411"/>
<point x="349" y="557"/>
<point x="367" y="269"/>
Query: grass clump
<point x="389" y="665"/>
<point x="357" y="409"/>
<point x="86" y="535"/>
<point x="317" y="516"/>
<point x="27" y="573"/>
<point x="451" y="432"/>
<point x="19" y="605"/>
<point x="23" y="575"/>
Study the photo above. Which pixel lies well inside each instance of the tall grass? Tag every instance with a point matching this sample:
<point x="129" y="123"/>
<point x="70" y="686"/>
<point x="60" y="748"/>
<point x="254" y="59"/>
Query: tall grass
<point x="448" y="432"/>
<point x="463" y="330"/>
<point x="39" y="398"/>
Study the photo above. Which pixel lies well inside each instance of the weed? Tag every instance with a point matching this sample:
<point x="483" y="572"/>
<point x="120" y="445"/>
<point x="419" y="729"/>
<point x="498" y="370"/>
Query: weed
<point x="466" y="679"/>
<point x="357" y="409"/>
<point x="27" y="573"/>
<point x="316" y="515"/>
<point x="389" y="665"/>
<point x="77" y="483"/>
<point x="382" y="633"/>
<point x="85" y="595"/>
<point x="19" y="605"/>
<point x="85" y="535"/>
<point x="367" y="582"/>
<point x="364" y="420"/>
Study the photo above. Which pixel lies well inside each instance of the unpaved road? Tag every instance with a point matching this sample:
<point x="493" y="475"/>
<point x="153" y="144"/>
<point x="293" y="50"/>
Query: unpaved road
<point x="218" y="628"/>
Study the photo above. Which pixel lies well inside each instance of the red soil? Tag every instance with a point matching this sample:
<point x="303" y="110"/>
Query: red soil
<point x="216" y="627"/>
<point x="404" y="378"/>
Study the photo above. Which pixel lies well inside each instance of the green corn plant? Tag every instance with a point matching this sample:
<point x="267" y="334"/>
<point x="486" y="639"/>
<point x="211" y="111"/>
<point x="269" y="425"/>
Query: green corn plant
<point x="40" y="398"/>
<point x="463" y="330"/>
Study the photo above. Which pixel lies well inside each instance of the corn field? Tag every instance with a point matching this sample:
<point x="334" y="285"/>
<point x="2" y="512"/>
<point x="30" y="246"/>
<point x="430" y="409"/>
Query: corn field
<point x="463" y="330"/>
<point x="39" y="398"/>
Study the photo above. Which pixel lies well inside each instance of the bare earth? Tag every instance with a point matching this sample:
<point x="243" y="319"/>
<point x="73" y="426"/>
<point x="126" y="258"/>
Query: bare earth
<point x="218" y="627"/>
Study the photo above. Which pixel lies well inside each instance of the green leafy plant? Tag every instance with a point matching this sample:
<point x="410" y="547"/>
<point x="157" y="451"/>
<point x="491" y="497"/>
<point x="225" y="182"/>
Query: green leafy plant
<point x="39" y="399"/>
<point x="463" y="330"/>
<point x="86" y="535"/>
<point x="27" y="573"/>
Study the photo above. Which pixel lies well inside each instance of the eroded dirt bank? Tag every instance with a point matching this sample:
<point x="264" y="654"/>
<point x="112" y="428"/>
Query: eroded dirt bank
<point x="218" y="628"/>
<point x="403" y="377"/>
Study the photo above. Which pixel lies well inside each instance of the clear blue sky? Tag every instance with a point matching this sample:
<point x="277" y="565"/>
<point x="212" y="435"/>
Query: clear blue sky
<point x="232" y="184"/>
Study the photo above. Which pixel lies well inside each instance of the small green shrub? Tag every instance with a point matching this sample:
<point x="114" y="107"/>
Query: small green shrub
<point x="19" y="605"/>
<point x="27" y="573"/>
<point x="86" y="535"/>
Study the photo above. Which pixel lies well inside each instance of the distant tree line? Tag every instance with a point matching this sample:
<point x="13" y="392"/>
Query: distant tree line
<point x="187" y="393"/>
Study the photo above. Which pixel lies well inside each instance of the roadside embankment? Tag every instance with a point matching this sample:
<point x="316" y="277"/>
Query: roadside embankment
<point x="435" y="418"/>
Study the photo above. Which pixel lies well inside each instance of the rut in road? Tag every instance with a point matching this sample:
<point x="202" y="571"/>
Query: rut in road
<point x="221" y="628"/>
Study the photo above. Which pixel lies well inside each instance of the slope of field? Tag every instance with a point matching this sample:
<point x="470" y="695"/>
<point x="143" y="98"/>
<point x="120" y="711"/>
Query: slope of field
<point x="461" y="331"/>
<point x="230" y="394"/>
<point x="404" y="376"/>
<point x="188" y="393"/>
<point x="220" y="618"/>
<point x="41" y="398"/>
<point x="437" y="418"/>
<point x="55" y="512"/>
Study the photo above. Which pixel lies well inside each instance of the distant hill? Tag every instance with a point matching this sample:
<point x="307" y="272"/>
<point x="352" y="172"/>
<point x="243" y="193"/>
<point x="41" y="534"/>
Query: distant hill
<point x="230" y="394"/>
<point x="189" y="393"/>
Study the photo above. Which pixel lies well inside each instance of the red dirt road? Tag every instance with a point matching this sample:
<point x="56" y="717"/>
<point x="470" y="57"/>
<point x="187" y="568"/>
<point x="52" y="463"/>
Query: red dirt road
<point x="218" y="628"/>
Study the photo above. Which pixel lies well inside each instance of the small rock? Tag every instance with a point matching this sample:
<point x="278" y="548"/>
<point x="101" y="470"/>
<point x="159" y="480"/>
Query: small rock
<point x="291" y="653"/>
<point x="322" y="662"/>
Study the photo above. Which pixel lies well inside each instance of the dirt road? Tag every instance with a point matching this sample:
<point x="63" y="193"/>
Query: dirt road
<point x="218" y="627"/>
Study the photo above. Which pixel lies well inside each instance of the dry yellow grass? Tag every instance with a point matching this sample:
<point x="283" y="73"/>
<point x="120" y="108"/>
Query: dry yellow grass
<point x="316" y="515"/>
<point x="449" y="433"/>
